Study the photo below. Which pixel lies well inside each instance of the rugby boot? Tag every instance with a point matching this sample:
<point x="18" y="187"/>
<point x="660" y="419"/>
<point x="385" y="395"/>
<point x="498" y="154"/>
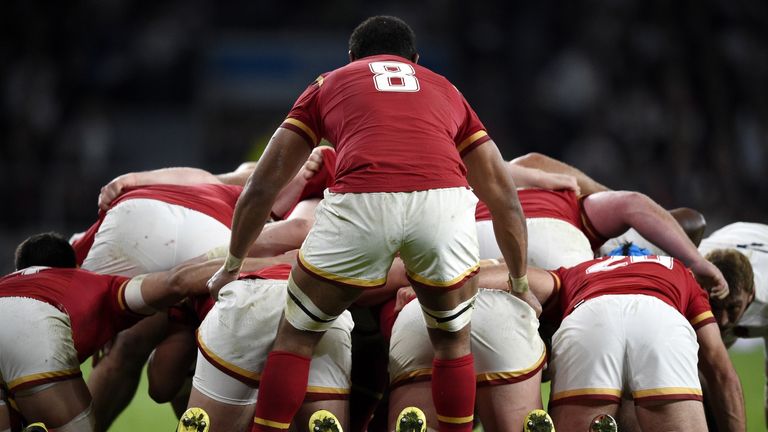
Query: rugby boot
<point x="35" y="427"/>
<point x="603" y="423"/>
<point x="194" y="420"/>
<point x="411" y="419"/>
<point x="324" y="421"/>
<point x="538" y="421"/>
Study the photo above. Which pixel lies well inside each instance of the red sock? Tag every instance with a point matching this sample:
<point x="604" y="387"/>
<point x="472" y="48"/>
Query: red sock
<point x="281" y="390"/>
<point x="453" y="392"/>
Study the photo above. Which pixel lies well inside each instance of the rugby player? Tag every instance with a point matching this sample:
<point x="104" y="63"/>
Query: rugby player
<point x="563" y="231"/>
<point x="55" y="316"/>
<point x="408" y="147"/>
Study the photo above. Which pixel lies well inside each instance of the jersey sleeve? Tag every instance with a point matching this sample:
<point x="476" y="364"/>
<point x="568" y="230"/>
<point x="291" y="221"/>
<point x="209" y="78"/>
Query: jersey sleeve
<point x="471" y="132"/>
<point x="699" y="311"/>
<point x="304" y="118"/>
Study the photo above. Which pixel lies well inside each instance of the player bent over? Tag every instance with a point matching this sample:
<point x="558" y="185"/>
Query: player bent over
<point x="54" y="316"/>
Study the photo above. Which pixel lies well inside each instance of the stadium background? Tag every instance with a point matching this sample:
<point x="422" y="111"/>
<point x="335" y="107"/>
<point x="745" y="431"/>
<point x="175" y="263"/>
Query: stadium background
<point x="668" y="98"/>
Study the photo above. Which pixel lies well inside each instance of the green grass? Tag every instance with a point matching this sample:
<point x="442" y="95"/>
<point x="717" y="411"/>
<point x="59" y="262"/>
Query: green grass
<point x="145" y="415"/>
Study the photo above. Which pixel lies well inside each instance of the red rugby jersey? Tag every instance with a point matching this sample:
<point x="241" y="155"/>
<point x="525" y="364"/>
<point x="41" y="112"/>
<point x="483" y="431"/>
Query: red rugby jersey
<point x="397" y="126"/>
<point x="215" y="200"/>
<point x="557" y="204"/>
<point x="193" y="311"/>
<point x="94" y="303"/>
<point x="665" y="278"/>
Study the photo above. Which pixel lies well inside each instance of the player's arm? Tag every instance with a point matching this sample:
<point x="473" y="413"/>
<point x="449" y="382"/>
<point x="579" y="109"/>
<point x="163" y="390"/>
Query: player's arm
<point x="149" y="293"/>
<point x="545" y="163"/>
<point x="536" y="178"/>
<point x="726" y="394"/>
<point x="488" y="175"/>
<point x="292" y="191"/>
<point x="494" y="276"/>
<point x="176" y="175"/>
<point x="282" y="159"/>
<point x="613" y="212"/>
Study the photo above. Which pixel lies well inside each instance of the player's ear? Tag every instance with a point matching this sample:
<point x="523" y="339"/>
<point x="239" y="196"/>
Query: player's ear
<point x="415" y="58"/>
<point x="351" y="56"/>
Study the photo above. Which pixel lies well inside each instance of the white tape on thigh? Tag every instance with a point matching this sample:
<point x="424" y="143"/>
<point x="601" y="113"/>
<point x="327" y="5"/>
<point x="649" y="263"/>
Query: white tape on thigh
<point x="133" y="298"/>
<point x="84" y="422"/>
<point x="303" y="314"/>
<point x="452" y="320"/>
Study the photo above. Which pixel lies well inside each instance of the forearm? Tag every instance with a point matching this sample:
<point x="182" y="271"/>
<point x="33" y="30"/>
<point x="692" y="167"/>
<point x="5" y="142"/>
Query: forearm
<point x="548" y="164"/>
<point x="656" y="225"/>
<point x="175" y="175"/>
<point x="728" y="402"/>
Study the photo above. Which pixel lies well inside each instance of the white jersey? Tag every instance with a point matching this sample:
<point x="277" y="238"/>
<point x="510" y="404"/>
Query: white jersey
<point x="751" y="239"/>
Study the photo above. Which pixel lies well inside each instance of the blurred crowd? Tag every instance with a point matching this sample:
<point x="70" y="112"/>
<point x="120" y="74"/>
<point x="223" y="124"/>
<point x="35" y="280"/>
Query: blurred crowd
<point x="669" y="98"/>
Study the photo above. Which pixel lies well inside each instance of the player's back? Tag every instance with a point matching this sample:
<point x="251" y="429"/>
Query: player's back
<point x="396" y="126"/>
<point x="93" y="302"/>
<point x="663" y="277"/>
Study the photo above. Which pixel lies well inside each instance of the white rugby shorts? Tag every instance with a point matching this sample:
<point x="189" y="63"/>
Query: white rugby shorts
<point x="237" y="335"/>
<point x="36" y="345"/>
<point x="145" y="235"/>
<point x="504" y="336"/>
<point x="357" y="235"/>
<point x="629" y="343"/>
<point x="552" y="243"/>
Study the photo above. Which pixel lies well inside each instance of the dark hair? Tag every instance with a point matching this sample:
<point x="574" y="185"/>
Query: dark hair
<point x="736" y="269"/>
<point x="47" y="249"/>
<point x="382" y="35"/>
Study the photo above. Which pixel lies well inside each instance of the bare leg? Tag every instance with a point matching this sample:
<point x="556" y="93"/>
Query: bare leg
<point x="576" y="417"/>
<point x="339" y="408"/>
<point x="504" y="407"/>
<point x="627" y="417"/>
<point x="668" y="416"/>
<point x="418" y="394"/>
<point x="56" y="405"/>
<point x="114" y="379"/>
<point x="5" y="416"/>
<point x="224" y="417"/>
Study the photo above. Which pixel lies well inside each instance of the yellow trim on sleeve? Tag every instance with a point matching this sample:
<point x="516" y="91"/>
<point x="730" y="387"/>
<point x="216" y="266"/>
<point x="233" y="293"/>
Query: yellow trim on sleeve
<point x="701" y="317"/>
<point x="299" y="124"/>
<point x="472" y="138"/>
<point x="121" y="295"/>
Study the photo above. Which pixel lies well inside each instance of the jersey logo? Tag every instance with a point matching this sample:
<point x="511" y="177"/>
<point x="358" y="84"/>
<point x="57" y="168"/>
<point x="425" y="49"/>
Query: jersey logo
<point x="392" y="76"/>
<point x="614" y="262"/>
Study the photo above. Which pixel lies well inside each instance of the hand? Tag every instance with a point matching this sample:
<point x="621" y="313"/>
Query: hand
<point x="113" y="190"/>
<point x="313" y="164"/>
<point x="219" y="279"/>
<point x="403" y="297"/>
<point x="531" y="299"/>
<point x="555" y="181"/>
<point x="710" y="278"/>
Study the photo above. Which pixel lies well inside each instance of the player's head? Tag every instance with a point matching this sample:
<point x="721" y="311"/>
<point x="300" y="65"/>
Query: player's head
<point x="383" y="35"/>
<point x="737" y="271"/>
<point x="47" y="249"/>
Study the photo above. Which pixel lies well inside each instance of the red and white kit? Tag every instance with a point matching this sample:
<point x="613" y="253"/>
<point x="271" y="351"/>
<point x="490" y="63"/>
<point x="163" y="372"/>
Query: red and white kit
<point x="410" y="164"/>
<point x="154" y="228"/>
<point x="628" y="323"/>
<point x="53" y="319"/>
